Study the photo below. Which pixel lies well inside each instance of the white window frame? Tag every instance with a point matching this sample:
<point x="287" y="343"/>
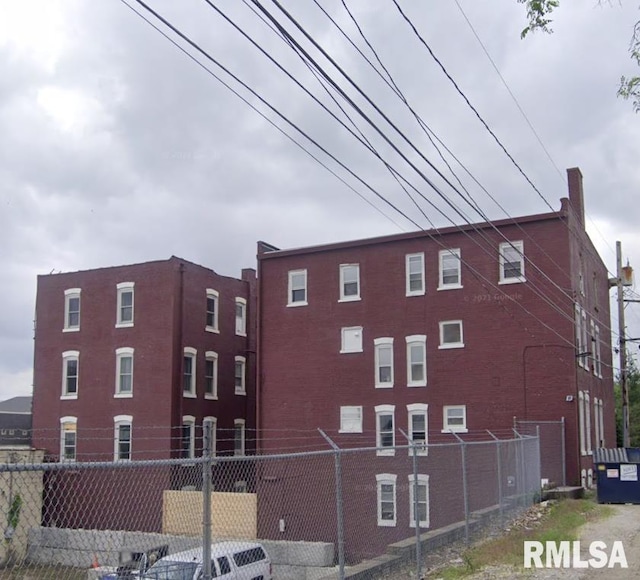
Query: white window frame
<point x="125" y="288"/>
<point x="123" y="352"/>
<point x="416" y="340"/>
<point x="506" y="247"/>
<point x="418" y="410"/>
<point x="239" y="424"/>
<point x="190" y="452"/>
<point x="384" y="410"/>
<point x="386" y="479"/>
<point x="582" y="423"/>
<point x="600" y="419"/>
<point x="446" y="427"/>
<point x="242" y="388"/>
<point x="68" y="356"/>
<point x="191" y="353"/>
<point x="423" y="480"/>
<point x="587" y="408"/>
<point x="592" y="358"/>
<point x="241" y="321"/>
<point x="350" y="419"/>
<point x="64" y="421"/>
<point x="596" y="421"/>
<point x="409" y="260"/>
<point x="345" y="332"/>
<point x="211" y="357"/>
<point x="344" y="268"/>
<point x="213" y="421"/>
<point x="442" y="256"/>
<point x="381" y="344"/>
<point x="69" y="295"/>
<point x="215" y="296"/>
<point x="578" y="328"/>
<point x="598" y="353"/>
<point x="446" y="345"/>
<point x="122" y="421"/>
<point x="292" y="288"/>
<point x="585" y="342"/>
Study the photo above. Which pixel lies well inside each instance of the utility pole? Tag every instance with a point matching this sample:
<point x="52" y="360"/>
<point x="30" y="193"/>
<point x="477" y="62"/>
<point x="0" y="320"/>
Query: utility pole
<point x="622" y="279"/>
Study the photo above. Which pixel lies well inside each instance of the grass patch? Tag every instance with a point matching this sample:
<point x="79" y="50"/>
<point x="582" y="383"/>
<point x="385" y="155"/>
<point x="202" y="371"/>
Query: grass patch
<point x="560" y="521"/>
<point x="42" y="572"/>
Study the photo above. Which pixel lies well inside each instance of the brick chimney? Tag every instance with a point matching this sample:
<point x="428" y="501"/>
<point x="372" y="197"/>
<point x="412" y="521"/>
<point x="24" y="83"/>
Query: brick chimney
<point x="576" y="196"/>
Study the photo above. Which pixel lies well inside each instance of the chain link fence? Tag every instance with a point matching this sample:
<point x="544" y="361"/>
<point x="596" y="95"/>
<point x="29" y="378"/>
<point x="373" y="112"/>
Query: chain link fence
<point x="318" y="514"/>
<point x="552" y="434"/>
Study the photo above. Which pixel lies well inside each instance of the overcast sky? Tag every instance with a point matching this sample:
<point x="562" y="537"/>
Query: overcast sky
<point x="116" y="148"/>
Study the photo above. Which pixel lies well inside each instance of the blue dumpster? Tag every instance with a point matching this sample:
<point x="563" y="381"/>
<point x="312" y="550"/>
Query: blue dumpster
<point x="617" y="474"/>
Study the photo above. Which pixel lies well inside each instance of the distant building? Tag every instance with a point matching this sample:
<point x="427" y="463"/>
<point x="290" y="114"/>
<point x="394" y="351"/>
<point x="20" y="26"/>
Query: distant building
<point x="15" y="423"/>
<point x="131" y="361"/>
<point x="464" y="329"/>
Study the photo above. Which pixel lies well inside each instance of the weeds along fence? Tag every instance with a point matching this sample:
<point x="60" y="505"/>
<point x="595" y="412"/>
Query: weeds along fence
<point x="316" y="512"/>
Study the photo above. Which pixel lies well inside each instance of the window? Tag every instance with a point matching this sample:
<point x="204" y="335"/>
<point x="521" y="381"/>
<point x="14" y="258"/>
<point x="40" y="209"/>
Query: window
<point x="124" y="372"/>
<point x="189" y="372"/>
<point x="68" y="438"/>
<point x="451" y="334"/>
<point x="416" y="360"/>
<point x="211" y="375"/>
<point x="297" y="288"/>
<point x="449" y="262"/>
<point x="582" y="423"/>
<point x="600" y="420"/>
<point x="241" y="317"/>
<point x="511" y="262"/>
<point x="587" y="412"/>
<point x="349" y="282"/>
<point x="250" y="556"/>
<point x="70" y="373"/>
<point x="125" y="305"/>
<point x="386" y="486"/>
<point x="122" y="437"/>
<point x="384" y="362"/>
<point x="454" y="419"/>
<point x="211" y="323"/>
<point x="238" y="437"/>
<point x="188" y="437"/>
<point x="579" y="346"/>
<point x="71" y="310"/>
<point x="585" y="342"/>
<point x="350" y="419"/>
<point x="240" y="375"/>
<point x="351" y="339"/>
<point x="421" y="488"/>
<point x="418" y="431"/>
<point x="598" y="366"/>
<point x="385" y="432"/>
<point x="415" y="274"/>
<point x="212" y="423"/>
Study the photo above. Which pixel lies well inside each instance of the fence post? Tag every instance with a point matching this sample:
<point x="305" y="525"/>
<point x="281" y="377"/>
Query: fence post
<point x="414" y="453"/>
<point x="206" y="501"/>
<point x="463" y="449"/>
<point x="564" y="456"/>
<point x="339" y="503"/>
<point x="499" y="455"/>
<point x="519" y="475"/>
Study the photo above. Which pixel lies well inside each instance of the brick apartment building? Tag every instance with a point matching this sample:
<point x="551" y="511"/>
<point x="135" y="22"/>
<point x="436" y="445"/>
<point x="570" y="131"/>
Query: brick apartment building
<point x="131" y="361"/>
<point x="456" y="330"/>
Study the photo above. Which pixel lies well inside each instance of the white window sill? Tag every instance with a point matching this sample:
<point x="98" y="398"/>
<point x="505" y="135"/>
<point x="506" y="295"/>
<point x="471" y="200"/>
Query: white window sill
<point x="121" y="460"/>
<point x="211" y="329"/>
<point x="68" y="397"/>
<point x="123" y="396"/>
<point x="124" y="325"/>
<point x="416" y="293"/>
<point x="386" y="452"/>
<point x="187" y="395"/>
<point x="450" y="287"/>
<point x="417" y="384"/>
<point x="350" y="351"/>
<point x="67" y="461"/>
<point x="385" y="386"/>
<point x="421" y="453"/>
<point x="512" y="281"/>
<point x="455" y="430"/>
<point x="423" y="525"/>
<point x="210" y="397"/>
<point x="349" y="431"/>
<point x="386" y="524"/>
<point x="350" y="299"/>
<point x="77" y="329"/>
<point x="294" y="304"/>
<point x="241" y="333"/>
<point x="240" y="392"/>
<point x="452" y="345"/>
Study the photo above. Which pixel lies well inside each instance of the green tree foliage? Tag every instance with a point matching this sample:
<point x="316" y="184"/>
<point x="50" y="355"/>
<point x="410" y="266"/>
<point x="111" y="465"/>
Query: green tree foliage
<point x="539" y="17"/>
<point x="633" y="382"/>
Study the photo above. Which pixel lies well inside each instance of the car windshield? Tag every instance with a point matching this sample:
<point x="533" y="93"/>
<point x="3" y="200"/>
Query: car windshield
<point x="171" y="570"/>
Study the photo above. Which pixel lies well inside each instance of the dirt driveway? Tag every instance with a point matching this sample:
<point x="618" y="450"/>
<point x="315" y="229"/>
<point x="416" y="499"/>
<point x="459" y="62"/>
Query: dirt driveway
<point x="623" y="525"/>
